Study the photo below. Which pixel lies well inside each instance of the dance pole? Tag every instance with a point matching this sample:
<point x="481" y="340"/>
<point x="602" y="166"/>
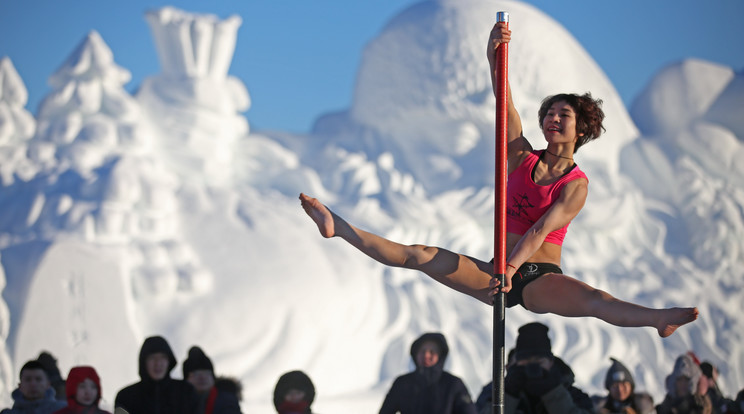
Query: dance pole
<point x="499" y="242"/>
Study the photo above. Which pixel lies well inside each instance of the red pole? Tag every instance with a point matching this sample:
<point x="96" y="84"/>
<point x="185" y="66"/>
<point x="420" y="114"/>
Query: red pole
<point x="499" y="242"/>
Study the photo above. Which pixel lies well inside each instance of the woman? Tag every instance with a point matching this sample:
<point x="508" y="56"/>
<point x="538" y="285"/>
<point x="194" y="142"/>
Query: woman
<point x="83" y="392"/>
<point x="547" y="190"/>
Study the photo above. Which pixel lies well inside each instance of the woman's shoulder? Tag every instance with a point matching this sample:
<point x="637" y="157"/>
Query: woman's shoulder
<point x="524" y="159"/>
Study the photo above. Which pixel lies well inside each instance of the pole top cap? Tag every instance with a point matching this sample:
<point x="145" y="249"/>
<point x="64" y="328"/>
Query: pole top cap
<point x="502" y="16"/>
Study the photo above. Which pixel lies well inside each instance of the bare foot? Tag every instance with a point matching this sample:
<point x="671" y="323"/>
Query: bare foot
<point x="674" y="318"/>
<point x="320" y="214"/>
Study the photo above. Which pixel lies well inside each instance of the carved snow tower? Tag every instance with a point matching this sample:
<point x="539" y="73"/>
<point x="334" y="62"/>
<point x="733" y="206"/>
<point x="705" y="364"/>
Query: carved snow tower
<point x="194" y="103"/>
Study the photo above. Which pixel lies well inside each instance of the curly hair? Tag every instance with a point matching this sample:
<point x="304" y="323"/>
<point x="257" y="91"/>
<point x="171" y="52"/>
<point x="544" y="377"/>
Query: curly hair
<point x="589" y="115"/>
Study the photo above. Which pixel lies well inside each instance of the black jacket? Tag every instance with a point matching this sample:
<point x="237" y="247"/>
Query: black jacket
<point x="167" y="396"/>
<point x="565" y="399"/>
<point x="224" y="402"/>
<point x="428" y="390"/>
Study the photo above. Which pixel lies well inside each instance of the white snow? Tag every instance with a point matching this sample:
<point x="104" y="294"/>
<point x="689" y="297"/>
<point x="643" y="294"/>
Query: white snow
<point x="162" y="213"/>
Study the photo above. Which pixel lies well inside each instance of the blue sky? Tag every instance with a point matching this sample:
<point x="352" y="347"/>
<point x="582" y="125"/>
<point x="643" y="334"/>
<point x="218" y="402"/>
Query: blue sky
<point x="299" y="58"/>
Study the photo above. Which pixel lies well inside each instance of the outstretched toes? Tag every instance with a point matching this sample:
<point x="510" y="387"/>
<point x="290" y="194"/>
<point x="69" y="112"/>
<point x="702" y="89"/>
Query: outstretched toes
<point x="674" y="318"/>
<point x="319" y="213"/>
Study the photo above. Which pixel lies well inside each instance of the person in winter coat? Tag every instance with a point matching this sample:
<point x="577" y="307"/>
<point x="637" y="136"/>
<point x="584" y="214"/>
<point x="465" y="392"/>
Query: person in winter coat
<point x="539" y="382"/>
<point x="686" y="394"/>
<point x="199" y="372"/>
<point x="484" y="402"/>
<point x="55" y="377"/>
<point x="720" y="403"/>
<point x="157" y="392"/>
<point x="739" y="402"/>
<point x="429" y="389"/>
<point x="294" y="393"/>
<point x="34" y="394"/>
<point x="83" y="391"/>
<point x="622" y="398"/>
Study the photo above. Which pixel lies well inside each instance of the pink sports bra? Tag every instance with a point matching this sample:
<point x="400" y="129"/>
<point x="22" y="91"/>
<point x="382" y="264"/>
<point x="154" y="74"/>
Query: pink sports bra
<point x="526" y="201"/>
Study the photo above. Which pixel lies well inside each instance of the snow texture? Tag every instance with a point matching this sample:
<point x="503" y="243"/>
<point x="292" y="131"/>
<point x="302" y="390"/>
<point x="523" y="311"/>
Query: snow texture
<point x="161" y="213"/>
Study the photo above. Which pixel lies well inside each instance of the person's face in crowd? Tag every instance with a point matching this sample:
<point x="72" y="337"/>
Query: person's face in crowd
<point x="87" y="392"/>
<point x="620" y="390"/>
<point x="34" y="383"/>
<point x="682" y="386"/>
<point x="702" y="387"/>
<point x="427" y="355"/>
<point x="201" y="379"/>
<point x="545" y="362"/>
<point x="157" y="365"/>
<point x="294" y="396"/>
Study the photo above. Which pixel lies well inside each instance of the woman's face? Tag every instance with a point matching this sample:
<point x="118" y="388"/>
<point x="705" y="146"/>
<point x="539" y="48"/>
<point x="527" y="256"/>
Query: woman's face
<point x="87" y="392"/>
<point x="559" y="124"/>
<point x="620" y="390"/>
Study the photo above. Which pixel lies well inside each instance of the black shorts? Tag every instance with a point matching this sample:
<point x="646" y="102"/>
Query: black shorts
<point x="527" y="273"/>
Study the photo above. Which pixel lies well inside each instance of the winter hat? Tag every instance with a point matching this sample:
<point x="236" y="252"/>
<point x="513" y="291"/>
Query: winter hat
<point x="533" y="341"/>
<point x="707" y="369"/>
<point x="76" y="376"/>
<point x="196" y="360"/>
<point x="293" y="380"/>
<point x="49" y="362"/>
<point x="684" y="366"/>
<point x="618" y="373"/>
<point x="435" y="337"/>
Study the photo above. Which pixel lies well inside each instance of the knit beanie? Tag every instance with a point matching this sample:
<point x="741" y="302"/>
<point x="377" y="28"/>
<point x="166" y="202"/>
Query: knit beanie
<point x="707" y="369"/>
<point x="196" y="360"/>
<point x="618" y="373"/>
<point x="533" y="341"/>
<point x="685" y="366"/>
<point x="50" y="366"/>
<point x="293" y="380"/>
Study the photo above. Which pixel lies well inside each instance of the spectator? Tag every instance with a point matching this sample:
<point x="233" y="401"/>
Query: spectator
<point x="55" y="376"/>
<point x="294" y="393"/>
<point x="485" y="400"/>
<point x="686" y="393"/>
<point x="622" y="398"/>
<point x="720" y="404"/>
<point x="429" y="389"/>
<point x="34" y="394"/>
<point x="83" y="390"/>
<point x="739" y="402"/>
<point x="199" y="371"/>
<point x="157" y="392"/>
<point x="231" y="385"/>
<point x="539" y="382"/>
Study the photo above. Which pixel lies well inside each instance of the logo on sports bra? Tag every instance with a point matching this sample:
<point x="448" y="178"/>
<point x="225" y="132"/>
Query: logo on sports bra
<point x="520" y="205"/>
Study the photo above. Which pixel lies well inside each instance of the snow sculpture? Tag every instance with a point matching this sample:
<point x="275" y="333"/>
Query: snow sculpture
<point x="194" y="102"/>
<point x="17" y="125"/>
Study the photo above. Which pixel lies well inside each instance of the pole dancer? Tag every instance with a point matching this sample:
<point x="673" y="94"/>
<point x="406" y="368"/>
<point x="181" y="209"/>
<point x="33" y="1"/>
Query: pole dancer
<point x="500" y="87"/>
<point x="546" y="190"/>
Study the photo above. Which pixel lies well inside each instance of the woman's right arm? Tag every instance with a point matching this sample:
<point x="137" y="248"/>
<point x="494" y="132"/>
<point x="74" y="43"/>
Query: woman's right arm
<point x="517" y="145"/>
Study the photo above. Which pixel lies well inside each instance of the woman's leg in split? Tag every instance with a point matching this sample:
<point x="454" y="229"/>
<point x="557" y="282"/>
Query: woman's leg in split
<point x="566" y="296"/>
<point x="462" y="273"/>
